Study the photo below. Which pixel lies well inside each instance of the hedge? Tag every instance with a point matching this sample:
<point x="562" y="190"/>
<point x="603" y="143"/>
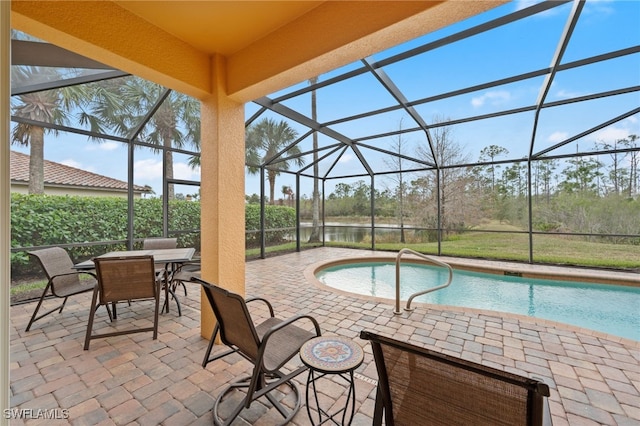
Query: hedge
<point x="43" y="220"/>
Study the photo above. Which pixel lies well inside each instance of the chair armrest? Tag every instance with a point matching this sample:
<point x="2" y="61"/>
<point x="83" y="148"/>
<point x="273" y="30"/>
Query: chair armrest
<point x="288" y="322"/>
<point x="75" y="273"/>
<point x="260" y="299"/>
<point x="299" y="340"/>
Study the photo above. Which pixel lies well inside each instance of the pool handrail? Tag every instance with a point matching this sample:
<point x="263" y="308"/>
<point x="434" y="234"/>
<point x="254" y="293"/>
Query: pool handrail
<point x="397" y="310"/>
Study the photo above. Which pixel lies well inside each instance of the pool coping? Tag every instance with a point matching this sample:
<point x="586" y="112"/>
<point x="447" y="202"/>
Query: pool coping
<point x="564" y="273"/>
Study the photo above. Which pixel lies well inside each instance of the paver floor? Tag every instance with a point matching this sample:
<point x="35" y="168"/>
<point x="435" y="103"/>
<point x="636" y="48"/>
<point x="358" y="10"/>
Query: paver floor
<point x="134" y="380"/>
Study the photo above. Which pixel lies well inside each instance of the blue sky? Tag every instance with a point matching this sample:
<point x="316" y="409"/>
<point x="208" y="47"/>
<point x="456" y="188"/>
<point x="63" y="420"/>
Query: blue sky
<point x="519" y="47"/>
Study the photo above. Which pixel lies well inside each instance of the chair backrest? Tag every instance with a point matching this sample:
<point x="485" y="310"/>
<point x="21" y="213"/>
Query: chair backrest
<point x="126" y="278"/>
<point x="159" y="243"/>
<point x="420" y="386"/>
<point x="56" y="262"/>
<point x="236" y="326"/>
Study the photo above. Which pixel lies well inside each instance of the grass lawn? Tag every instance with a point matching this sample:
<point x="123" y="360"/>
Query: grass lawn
<point x="504" y="242"/>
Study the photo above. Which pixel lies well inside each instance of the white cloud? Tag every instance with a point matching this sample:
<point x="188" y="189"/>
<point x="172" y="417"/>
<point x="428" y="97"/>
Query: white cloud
<point x="557" y="137"/>
<point x="598" y="8"/>
<point x="149" y="172"/>
<point x="77" y="165"/>
<point x="611" y="134"/>
<point x="185" y="172"/>
<point x="494" y="98"/>
<point x="620" y="130"/>
<point x="523" y="4"/>
<point x="147" y="169"/>
<point x="346" y="158"/>
<point x="104" y="146"/>
<point x="565" y="94"/>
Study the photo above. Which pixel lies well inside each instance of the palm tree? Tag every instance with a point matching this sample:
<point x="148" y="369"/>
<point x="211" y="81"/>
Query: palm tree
<point x="51" y="106"/>
<point x="287" y="194"/>
<point x="175" y="123"/>
<point x="315" y="225"/>
<point x="267" y="141"/>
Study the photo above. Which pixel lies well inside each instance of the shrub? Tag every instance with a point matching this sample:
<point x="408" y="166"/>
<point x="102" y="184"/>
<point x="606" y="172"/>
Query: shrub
<point x="43" y="220"/>
<point x="278" y="221"/>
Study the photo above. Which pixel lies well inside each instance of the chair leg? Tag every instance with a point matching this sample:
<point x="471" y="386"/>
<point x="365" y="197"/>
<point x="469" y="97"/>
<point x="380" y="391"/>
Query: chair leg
<point x="206" y="360"/>
<point x="109" y="312"/>
<point x="64" y="302"/>
<point x="378" y="409"/>
<point x="92" y="312"/>
<point x="34" y="318"/>
<point x="212" y="341"/>
<point x="156" y="315"/>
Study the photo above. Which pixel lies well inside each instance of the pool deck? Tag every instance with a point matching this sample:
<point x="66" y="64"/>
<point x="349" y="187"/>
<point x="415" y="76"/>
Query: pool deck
<point x="134" y="380"/>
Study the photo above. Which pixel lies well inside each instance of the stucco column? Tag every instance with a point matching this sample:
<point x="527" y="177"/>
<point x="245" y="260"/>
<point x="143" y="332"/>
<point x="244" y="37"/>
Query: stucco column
<point x="222" y="192"/>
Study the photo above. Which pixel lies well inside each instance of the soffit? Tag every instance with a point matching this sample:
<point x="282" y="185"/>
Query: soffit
<point x="182" y="44"/>
<point x="223" y="27"/>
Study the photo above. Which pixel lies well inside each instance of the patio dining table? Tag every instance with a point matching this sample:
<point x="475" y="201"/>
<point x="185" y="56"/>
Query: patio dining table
<point x="171" y="258"/>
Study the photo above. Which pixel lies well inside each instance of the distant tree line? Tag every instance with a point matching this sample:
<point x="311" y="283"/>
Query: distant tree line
<point x="583" y="194"/>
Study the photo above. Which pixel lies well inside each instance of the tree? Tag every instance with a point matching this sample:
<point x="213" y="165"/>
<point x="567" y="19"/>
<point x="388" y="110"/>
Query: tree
<point x="394" y="163"/>
<point x="175" y="123"/>
<point x="266" y="144"/>
<point x="582" y="175"/>
<point x="453" y="181"/>
<point x="315" y="222"/>
<point x="287" y="194"/>
<point x="634" y="163"/>
<point x="622" y="178"/>
<point x="490" y="153"/>
<point x="543" y="172"/>
<point x="50" y="106"/>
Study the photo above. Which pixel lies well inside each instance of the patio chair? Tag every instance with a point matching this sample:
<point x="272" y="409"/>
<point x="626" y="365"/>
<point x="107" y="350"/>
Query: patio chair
<point x="420" y="386"/>
<point x="159" y="243"/>
<point x="124" y="279"/>
<point x="166" y="243"/>
<point x="268" y="346"/>
<point x="62" y="280"/>
<point x="184" y="273"/>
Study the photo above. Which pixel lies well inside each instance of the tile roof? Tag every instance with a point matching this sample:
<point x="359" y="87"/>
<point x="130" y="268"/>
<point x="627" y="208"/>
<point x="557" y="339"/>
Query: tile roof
<point x="59" y="174"/>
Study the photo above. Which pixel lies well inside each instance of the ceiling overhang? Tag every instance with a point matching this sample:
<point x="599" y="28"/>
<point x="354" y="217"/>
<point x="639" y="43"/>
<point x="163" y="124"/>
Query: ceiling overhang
<point x="173" y="44"/>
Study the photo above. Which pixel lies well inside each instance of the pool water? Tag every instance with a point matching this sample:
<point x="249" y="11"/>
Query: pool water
<point x="608" y="308"/>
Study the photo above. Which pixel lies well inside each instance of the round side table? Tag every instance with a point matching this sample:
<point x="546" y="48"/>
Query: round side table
<point x="331" y="355"/>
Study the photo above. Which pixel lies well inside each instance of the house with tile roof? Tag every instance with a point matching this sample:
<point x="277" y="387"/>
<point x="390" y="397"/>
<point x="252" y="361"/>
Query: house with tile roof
<point x="60" y="179"/>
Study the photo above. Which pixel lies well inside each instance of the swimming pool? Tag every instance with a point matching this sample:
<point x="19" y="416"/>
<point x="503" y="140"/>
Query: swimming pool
<point x="612" y="309"/>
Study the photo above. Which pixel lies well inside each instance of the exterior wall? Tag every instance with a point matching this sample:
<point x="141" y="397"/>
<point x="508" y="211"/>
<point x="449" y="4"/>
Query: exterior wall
<point x="83" y="192"/>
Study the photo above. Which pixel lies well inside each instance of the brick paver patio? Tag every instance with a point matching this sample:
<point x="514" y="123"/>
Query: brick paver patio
<point x="134" y="380"/>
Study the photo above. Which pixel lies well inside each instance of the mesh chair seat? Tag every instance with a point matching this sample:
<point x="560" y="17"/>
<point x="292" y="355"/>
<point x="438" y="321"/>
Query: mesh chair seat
<point x="281" y="345"/>
<point x="75" y="288"/>
<point x="62" y="280"/>
<point x="268" y="346"/>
